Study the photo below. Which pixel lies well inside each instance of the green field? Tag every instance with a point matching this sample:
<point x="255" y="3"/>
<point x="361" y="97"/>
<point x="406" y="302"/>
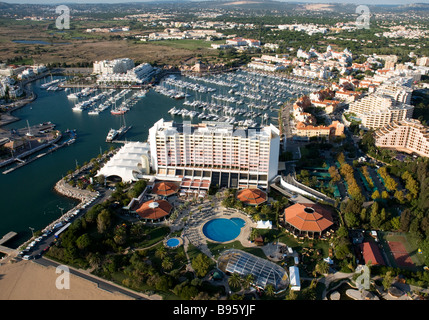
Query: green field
<point x="187" y="44"/>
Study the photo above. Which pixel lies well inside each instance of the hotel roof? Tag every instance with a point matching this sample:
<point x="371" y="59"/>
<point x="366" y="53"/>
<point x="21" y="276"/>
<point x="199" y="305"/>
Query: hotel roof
<point x="252" y="196"/>
<point x="308" y="217"/>
<point x="371" y="253"/>
<point x="165" y="188"/>
<point x="154" y="209"/>
<point x="215" y="128"/>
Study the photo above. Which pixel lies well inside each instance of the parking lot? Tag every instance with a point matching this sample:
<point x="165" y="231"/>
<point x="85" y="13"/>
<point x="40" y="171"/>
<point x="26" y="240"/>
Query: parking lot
<point x="37" y="247"/>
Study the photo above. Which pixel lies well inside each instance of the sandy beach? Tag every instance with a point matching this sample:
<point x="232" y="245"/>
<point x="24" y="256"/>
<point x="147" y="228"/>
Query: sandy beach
<point x="26" y="280"/>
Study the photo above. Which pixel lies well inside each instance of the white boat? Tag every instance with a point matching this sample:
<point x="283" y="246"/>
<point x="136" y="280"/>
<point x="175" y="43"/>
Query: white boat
<point x="94" y="112"/>
<point x="141" y="93"/>
<point x="111" y="135"/>
<point x="77" y="107"/>
<point x="72" y="96"/>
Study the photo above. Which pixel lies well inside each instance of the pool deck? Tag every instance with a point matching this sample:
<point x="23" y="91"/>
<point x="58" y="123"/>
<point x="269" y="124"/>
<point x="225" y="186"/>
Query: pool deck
<point x="193" y="229"/>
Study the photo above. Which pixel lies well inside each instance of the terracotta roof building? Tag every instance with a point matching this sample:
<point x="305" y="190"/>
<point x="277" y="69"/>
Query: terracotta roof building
<point x="307" y="219"/>
<point x="371" y="253"/>
<point x="165" y="188"/>
<point x="154" y="210"/>
<point x="252" y="196"/>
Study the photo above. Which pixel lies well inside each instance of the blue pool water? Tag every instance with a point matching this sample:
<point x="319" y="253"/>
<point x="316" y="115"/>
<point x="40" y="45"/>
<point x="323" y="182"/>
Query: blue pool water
<point x="173" y="242"/>
<point x="223" y="230"/>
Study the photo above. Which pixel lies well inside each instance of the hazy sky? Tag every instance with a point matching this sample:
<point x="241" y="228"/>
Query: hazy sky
<point x="309" y="1"/>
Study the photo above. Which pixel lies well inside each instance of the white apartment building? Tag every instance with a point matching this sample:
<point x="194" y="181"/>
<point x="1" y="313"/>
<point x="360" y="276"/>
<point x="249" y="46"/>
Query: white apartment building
<point x="215" y="152"/>
<point x="258" y="65"/>
<point x="137" y="75"/>
<point x="407" y="135"/>
<point x="401" y="94"/>
<point x="376" y="111"/>
<point x="114" y="66"/>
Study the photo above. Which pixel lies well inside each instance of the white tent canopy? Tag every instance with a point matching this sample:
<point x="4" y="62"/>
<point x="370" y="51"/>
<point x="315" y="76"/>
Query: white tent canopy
<point x="264" y="224"/>
<point x="127" y="162"/>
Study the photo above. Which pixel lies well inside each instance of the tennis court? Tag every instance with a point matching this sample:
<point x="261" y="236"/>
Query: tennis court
<point x="400" y="254"/>
<point x="399" y="251"/>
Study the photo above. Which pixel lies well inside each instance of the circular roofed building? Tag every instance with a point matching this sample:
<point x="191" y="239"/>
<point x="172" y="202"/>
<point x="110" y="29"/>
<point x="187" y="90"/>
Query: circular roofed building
<point x="252" y="197"/>
<point x="307" y="219"/>
<point x="154" y="210"/>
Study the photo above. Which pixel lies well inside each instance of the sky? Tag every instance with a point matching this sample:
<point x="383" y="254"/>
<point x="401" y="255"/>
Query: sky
<point x="397" y="2"/>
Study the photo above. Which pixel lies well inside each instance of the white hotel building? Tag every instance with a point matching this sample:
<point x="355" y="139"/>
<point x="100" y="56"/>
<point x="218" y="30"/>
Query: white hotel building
<point x="122" y="70"/>
<point x="375" y="111"/>
<point x="408" y="136"/>
<point x="213" y="153"/>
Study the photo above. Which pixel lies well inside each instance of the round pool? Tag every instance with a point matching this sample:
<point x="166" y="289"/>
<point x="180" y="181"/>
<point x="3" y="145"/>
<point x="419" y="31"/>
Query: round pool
<point x="172" y="243"/>
<point x="223" y="230"/>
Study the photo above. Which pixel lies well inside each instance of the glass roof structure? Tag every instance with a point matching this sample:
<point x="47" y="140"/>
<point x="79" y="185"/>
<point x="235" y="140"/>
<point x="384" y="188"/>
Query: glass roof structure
<point x="265" y="272"/>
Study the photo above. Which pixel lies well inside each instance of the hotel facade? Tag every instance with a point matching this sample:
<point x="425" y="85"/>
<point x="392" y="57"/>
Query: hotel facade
<point x="376" y="111"/>
<point x="408" y="136"/>
<point x="216" y="153"/>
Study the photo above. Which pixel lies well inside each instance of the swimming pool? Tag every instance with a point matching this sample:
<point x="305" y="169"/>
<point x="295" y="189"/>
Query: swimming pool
<point x="172" y="243"/>
<point x="223" y="230"/>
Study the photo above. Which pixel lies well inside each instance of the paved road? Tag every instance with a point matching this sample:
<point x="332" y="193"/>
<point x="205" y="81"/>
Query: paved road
<point x="102" y="284"/>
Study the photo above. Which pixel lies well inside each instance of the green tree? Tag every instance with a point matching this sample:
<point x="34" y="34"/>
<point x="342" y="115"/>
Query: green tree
<point x="375" y="195"/>
<point x="235" y="280"/>
<point x="248" y="280"/>
<point x="375" y="217"/>
<point x="104" y="220"/>
<point x="269" y="290"/>
<point x="322" y="267"/>
<point x="83" y="241"/>
<point x="161" y="252"/>
<point x="167" y="264"/>
<point x="387" y="280"/>
<point x="201" y="264"/>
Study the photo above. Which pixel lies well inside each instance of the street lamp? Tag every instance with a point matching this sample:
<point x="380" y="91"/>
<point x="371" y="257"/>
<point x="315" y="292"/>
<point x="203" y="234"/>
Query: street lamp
<point x="32" y="231"/>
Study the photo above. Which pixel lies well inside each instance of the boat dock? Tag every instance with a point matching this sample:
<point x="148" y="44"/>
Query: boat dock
<point x="25" y="162"/>
<point x="115" y="140"/>
<point x="6" y="238"/>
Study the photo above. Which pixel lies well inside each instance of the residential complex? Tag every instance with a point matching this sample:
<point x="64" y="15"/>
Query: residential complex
<point x="113" y="66"/>
<point x="375" y="111"/>
<point x="407" y="135"/>
<point x="215" y="152"/>
<point x="138" y="75"/>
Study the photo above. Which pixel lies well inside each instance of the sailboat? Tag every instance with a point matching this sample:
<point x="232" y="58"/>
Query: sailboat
<point x="142" y="93"/>
<point x="123" y="129"/>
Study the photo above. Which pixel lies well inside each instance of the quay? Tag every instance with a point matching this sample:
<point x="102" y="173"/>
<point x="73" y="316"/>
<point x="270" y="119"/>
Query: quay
<point x="6" y="238"/>
<point x="25" y="162"/>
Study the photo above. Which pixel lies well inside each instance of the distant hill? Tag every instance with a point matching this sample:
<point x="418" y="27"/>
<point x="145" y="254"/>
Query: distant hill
<point x="248" y="6"/>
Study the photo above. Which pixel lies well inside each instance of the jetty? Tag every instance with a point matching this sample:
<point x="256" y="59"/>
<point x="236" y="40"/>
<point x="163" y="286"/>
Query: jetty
<point x="53" y="147"/>
<point x="7" y="237"/>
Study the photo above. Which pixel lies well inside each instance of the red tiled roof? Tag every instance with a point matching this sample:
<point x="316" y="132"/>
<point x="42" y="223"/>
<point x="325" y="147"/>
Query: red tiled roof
<point x="308" y="217"/>
<point x="165" y="188"/>
<point x="372" y="253"/>
<point x="154" y="209"/>
<point x="252" y="196"/>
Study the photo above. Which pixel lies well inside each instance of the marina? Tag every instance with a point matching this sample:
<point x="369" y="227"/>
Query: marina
<point x="215" y="100"/>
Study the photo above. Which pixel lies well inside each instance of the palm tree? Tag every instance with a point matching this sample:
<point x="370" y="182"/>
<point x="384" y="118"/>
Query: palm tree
<point x="235" y="280"/>
<point x="269" y="290"/>
<point x="248" y="280"/>
<point x="167" y="264"/>
<point x="161" y="252"/>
